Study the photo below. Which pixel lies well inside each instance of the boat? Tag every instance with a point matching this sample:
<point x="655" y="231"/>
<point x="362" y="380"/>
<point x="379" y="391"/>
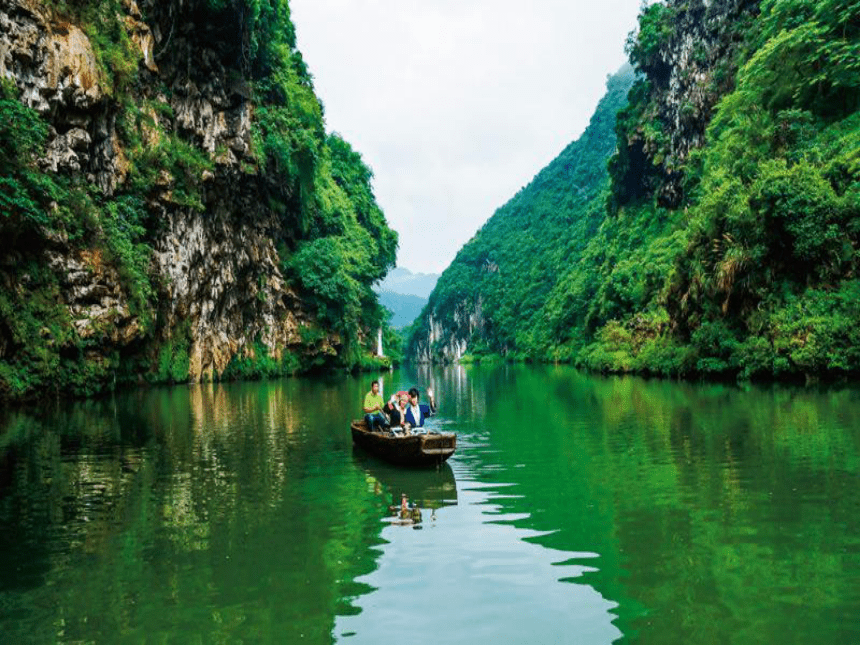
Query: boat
<point x="404" y="449"/>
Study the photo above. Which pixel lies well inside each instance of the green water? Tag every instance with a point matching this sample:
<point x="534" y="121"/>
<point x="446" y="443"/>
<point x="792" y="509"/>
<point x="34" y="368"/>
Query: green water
<point x="577" y="509"/>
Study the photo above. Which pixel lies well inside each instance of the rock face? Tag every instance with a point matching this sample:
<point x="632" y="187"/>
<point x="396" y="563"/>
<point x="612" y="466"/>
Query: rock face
<point x="217" y="268"/>
<point x="51" y="61"/>
<point x="449" y="343"/>
<point x="687" y="74"/>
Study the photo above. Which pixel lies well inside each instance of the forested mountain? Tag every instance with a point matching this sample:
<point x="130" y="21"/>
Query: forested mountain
<point x="404" y="308"/>
<point x="494" y="295"/>
<point x="728" y="242"/>
<point x="171" y="206"/>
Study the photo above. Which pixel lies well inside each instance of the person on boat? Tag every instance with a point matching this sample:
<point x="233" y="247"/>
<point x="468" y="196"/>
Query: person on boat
<point x="373" y="403"/>
<point x="389" y="408"/>
<point x="417" y="412"/>
<point x="398" y="411"/>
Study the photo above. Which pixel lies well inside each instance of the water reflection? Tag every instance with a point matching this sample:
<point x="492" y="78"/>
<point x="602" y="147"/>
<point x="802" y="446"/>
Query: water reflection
<point x="428" y="488"/>
<point x="205" y="513"/>
<point x="576" y="509"/>
<point x="718" y="514"/>
<point x="471" y="575"/>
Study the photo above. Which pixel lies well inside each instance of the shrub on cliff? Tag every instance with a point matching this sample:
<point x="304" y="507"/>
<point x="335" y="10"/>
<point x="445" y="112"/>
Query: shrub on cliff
<point x="25" y="192"/>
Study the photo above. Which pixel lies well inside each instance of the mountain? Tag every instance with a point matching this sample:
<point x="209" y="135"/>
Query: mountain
<point x="401" y="280"/>
<point x="172" y="206"/>
<point x="723" y="240"/>
<point x="490" y="299"/>
<point x="405" y="308"/>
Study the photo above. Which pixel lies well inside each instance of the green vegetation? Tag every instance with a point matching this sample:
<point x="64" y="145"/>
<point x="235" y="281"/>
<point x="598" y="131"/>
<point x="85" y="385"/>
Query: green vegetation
<point x="44" y="350"/>
<point x="752" y="275"/>
<point x="515" y="262"/>
<point x="350" y="246"/>
<point x="334" y="241"/>
<point x="255" y="363"/>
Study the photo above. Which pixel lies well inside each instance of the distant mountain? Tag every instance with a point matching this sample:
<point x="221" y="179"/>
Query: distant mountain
<point x="405" y="307"/>
<point x="403" y="281"/>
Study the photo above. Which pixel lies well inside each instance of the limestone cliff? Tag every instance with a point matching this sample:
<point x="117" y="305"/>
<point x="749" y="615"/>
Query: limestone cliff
<point x="449" y="343"/>
<point x="159" y="105"/>
<point x="688" y="56"/>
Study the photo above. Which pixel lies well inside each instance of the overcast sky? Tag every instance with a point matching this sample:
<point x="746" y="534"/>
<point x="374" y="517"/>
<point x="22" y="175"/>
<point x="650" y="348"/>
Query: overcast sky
<point x="456" y="104"/>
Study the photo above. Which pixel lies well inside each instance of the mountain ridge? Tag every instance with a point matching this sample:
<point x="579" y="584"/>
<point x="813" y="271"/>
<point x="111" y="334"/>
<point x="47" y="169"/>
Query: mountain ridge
<point x="725" y="242"/>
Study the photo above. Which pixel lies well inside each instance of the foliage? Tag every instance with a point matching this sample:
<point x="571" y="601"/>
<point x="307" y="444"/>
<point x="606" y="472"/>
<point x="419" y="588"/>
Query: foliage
<point x="36" y="327"/>
<point x="655" y="29"/>
<point x="352" y="248"/>
<point x="393" y="343"/>
<point x="256" y="362"/>
<point x="115" y="52"/>
<point x="773" y="223"/>
<point x="752" y="275"/>
<point x="25" y="192"/>
<point x="343" y="244"/>
<point x="173" y="362"/>
<point x="335" y="242"/>
<point x="509" y="270"/>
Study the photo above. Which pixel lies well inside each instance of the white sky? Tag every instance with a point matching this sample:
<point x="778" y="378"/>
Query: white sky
<point x="456" y="104"/>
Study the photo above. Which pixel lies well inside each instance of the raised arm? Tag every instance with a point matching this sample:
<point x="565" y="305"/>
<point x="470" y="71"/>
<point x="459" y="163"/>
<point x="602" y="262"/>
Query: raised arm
<point x="431" y="399"/>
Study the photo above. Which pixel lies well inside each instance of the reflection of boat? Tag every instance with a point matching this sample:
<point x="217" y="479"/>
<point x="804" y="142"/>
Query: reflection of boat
<point x="426" y="449"/>
<point x="425" y="488"/>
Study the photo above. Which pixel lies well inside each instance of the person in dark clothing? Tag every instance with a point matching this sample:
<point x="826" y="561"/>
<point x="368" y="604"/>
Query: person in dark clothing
<point x="396" y="408"/>
<point x="416" y="412"/>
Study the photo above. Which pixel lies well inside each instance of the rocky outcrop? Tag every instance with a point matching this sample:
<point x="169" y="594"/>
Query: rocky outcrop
<point x="222" y="275"/>
<point x="221" y="268"/>
<point x="52" y="61"/>
<point x="447" y="341"/>
<point x="215" y="262"/>
<point x="687" y="73"/>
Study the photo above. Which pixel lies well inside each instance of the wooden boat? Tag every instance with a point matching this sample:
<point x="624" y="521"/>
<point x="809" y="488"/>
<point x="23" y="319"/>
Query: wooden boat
<point x="425" y="449"/>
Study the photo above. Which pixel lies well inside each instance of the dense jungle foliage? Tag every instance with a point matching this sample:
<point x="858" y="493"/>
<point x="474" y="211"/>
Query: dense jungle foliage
<point x="752" y="274"/>
<point x="337" y="243"/>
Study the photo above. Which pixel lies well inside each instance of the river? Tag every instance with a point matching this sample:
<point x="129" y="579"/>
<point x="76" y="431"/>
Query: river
<point x="577" y="509"/>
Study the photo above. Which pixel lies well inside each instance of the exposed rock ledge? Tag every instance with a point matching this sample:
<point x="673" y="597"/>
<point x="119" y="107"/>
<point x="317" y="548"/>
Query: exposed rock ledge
<point x="218" y="268"/>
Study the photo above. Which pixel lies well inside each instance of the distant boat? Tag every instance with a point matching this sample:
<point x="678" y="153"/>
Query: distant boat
<point x="424" y="449"/>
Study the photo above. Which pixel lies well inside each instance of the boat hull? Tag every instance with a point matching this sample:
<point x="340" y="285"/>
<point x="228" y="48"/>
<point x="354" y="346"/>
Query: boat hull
<point x="409" y="450"/>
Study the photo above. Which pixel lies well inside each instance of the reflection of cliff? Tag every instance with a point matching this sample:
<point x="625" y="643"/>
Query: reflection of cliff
<point x="206" y="504"/>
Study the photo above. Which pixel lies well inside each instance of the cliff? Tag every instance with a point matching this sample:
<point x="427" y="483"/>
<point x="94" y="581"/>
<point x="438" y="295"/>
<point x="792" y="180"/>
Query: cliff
<point x="174" y="209"/>
<point x="725" y="241"/>
<point x="688" y="54"/>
